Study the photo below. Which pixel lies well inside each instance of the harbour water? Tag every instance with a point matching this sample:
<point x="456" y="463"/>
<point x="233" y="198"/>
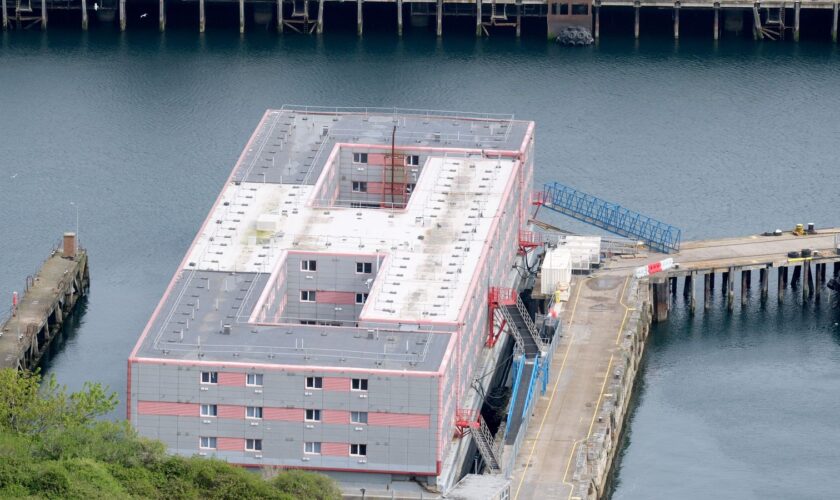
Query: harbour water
<point x="139" y="130"/>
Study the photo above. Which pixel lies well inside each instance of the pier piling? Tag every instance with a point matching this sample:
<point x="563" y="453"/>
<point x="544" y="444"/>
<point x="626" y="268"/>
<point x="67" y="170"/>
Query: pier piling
<point x="748" y="274"/>
<point x="359" y="21"/>
<point x="818" y="281"/>
<point x="661" y="299"/>
<point x="745" y="286"/>
<point x="806" y="280"/>
<point x="796" y="7"/>
<point x="201" y="15"/>
<point x="677" y="21"/>
<point x="724" y="285"/>
<point x="636" y="7"/>
<point x="43" y="15"/>
<point x="84" y="16"/>
<point x="279" y="16"/>
<point x="687" y="285"/>
<point x="478" y="18"/>
<point x="730" y="289"/>
<point x="711" y="283"/>
<point x="707" y="291"/>
<point x="764" y="281"/>
<point x="241" y="16"/>
<point x="717" y="22"/>
<point x="5" y="16"/>
<point x="692" y="303"/>
<point x="674" y="286"/>
<point x="794" y="280"/>
<point x="597" y="33"/>
<point x="836" y="269"/>
<point x="162" y="16"/>
<point x="834" y="9"/>
<point x="320" y="26"/>
<point x="122" y="15"/>
<point x="519" y="20"/>
<point x="399" y="17"/>
<point x="439" y="18"/>
<point x="780" y="284"/>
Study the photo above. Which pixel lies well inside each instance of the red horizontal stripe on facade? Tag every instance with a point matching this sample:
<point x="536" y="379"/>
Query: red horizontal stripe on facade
<point x="335" y="417"/>
<point x="230" y="444"/>
<point x="230" y="411"/>
<point x="335" y="449"/>
<point x="336" y="384"/>
<point x="399" y="420"/>
<point x="285" y="414"/>
<point x="344" y="298"/>
<point x="230" y="378"/>
<point x="163" y="408"/>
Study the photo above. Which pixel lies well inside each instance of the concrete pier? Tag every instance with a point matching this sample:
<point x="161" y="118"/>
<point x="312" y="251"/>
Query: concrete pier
<point x="660" y="299"/>
<point x="47" y="300"/>
<point x="5" y="15"/>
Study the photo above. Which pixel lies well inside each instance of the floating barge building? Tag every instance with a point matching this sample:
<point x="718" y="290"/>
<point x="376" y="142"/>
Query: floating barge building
<point x="333" y="311"/>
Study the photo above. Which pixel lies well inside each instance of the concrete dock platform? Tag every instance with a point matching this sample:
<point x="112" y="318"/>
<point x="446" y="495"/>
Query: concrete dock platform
<point x="49" y="298"/>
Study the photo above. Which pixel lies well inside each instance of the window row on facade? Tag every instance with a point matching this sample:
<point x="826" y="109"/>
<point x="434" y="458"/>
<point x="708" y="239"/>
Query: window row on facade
<point x="256" y="380"/>
<point x="309" y="447"/>
<point x="312" y="295"/>
<point x="256" y="413"/>
<point x="408" y="161"/>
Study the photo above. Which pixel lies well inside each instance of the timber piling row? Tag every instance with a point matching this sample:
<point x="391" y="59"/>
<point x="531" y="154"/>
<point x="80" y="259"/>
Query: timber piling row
<point x="773" y="20"/>
<point x="809" y="278"/>
<point x="49" y="297"/>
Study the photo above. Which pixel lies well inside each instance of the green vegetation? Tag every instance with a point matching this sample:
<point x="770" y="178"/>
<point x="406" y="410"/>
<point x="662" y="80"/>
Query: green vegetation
<point x="53" y="446"/>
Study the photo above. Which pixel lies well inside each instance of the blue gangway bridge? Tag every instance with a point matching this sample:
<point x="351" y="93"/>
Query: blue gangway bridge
<point x="611" y="217"/>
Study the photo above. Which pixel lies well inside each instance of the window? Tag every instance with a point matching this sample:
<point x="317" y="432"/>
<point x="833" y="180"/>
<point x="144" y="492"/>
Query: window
<point x="312" y="448"/>
<point x="358" y="450"/>
<point x="554" y="9"/>
<point x="412" y="161"/>
<point x="360" y="158"/>
<point x="254" y="379"/>
<point x="307" y="295"/>
<point x="208" y="410"/>
<point x="359" y="384"/>
<point x="253" y="412"/>
<point x="308" y="265"/>
<point x="358" y="417"/>
<point x="564" y="9"/>
<point x="364" y="268"/>
<point x="253" y="444"/>
<point x="361" y="298"/>
<point x="359" y="187"/>
<point x="209" y="377"/>
<point x="580" y="9"/>
<point x="207" y="443"/>
<point x="409" y="188"/>
<point x="314" y="382"/>
<point x="313" y="416"/>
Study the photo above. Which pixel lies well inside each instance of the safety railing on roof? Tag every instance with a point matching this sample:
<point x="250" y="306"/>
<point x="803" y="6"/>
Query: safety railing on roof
<point x="397" y="112"/>
<point x="611" y="217"/>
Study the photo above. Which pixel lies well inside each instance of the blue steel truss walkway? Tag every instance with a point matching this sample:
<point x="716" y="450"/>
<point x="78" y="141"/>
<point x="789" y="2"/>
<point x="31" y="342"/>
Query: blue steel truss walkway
<point x="611" y="217"/>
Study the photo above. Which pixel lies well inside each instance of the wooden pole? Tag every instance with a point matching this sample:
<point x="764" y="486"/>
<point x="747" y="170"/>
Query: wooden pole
<point x="764" y="279"/>
<point x="44" y="15"/>
<point x="519" y="20"/>
<point x="692" y="303"/>
<point x="796" y="32"/>
<point x="717" y="21"/>
<point x="162" y="16"/>
<point x="744" y="287"/>
<point x="676" y="21"/>
<point x="730" y="289"/>
<point x="320" y="28"/>
<point x="201" y="16"/>
<point x="478" y="18"/>
<point x="359" y="20"/>
<point x="834" y="23"/>
<point x="399" y="17"/>
<point x="122" y="15"/>
<point x="241" y="16"/>
<point x="818" y="280"/>
<point x="806" y="280"/>
<point x="707" y="291"/>
<point x="780" y="285"/>
<point x="279" y="16"/>
<point x="597" y="22"/>
<point x="84" y="15"/>
<point x="636" y="22"/>
<point x="712" y="282"/>
<point x="439" y="18"/>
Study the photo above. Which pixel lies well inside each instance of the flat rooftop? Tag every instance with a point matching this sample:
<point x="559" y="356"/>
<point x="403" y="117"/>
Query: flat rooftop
<point x="430" y="249"/>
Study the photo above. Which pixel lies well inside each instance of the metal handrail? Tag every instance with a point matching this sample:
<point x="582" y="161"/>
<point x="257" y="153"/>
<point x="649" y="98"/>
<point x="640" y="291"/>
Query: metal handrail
<point x="529" y="323"/>
<point x="396" y="111"/>
<point x="520" y="344"/>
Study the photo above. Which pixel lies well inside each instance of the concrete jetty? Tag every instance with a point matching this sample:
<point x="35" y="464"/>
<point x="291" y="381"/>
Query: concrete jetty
<point x="576" y="426"/>
<point x="49" y="296"/>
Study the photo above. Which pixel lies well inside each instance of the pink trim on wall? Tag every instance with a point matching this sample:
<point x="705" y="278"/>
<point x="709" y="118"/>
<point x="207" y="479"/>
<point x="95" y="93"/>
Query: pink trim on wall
<point x="335" y="449"/>
<point x="230" y="411"/>
<point x="414" y="420"/>
<point x="335" y="416"/>
<point x="230" y="444"/>
<point x="328" y="297"/>
<point x="339" y="384"/>
<point x="164" y="408"/>
<point x="231" y="379"/>
<point x="284" y="414"/>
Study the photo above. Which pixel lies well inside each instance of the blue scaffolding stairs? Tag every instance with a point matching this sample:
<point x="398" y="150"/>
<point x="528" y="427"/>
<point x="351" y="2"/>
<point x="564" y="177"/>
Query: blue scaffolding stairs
<point x="610" y="217"/>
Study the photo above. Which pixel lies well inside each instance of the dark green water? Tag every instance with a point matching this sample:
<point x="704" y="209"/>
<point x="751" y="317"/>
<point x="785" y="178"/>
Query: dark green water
<point x="140" y="130"/>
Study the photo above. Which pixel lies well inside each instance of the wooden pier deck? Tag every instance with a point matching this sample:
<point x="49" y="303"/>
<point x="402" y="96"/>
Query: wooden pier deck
<point x="575" y="428"/>
<point x="49" y="298"/>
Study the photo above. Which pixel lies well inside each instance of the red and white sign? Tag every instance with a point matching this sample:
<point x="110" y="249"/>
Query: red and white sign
<point x="653" y="268"/>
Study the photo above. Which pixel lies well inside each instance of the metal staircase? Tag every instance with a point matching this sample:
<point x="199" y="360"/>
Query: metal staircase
<point x="515" y="316"/>
<point x="470" y="421"/>
<point x="610" y="216"/>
